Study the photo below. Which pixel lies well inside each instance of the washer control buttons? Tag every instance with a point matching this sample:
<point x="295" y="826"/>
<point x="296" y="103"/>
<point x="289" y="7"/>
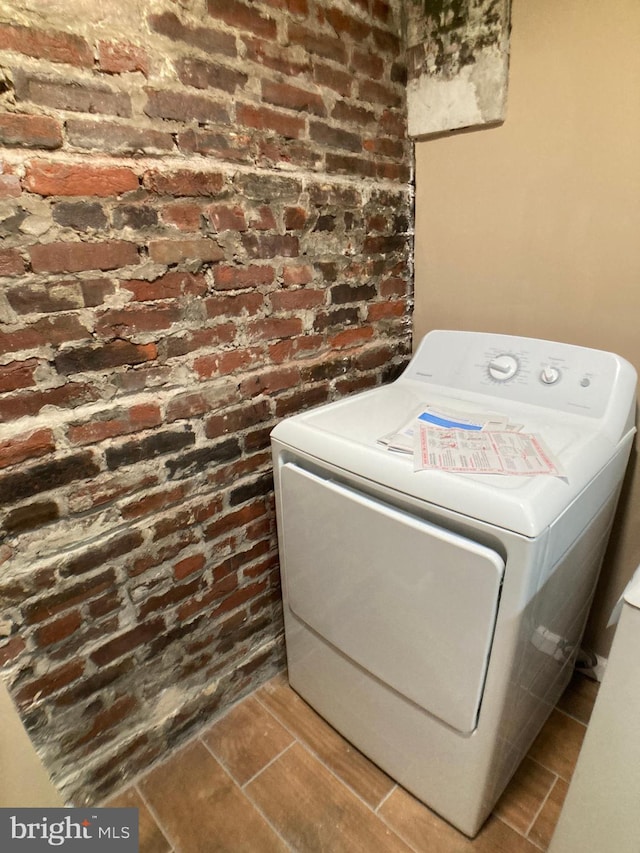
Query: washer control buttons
<point x="503" y="367"/>
<point x="549" y="375"/>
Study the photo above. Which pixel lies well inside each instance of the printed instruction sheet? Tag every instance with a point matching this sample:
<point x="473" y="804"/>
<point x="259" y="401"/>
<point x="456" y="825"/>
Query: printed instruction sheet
<point x="471" y="442"/>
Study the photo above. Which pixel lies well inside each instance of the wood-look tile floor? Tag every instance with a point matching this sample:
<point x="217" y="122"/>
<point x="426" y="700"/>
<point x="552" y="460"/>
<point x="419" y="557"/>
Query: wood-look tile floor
<point x="271" y="775"/>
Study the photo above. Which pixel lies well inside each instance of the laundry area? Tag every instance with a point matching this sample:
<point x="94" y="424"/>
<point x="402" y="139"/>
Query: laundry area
<point x="318" y="454"/>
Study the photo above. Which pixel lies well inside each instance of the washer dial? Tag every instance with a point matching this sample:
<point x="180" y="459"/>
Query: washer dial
<point x="503" y="367"/>
<point x="549" y="375"/>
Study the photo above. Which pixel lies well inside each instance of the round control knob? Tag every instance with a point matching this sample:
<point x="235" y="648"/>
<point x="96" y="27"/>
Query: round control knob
<point x="503" y="367"/>
<point x="549" y="375"/>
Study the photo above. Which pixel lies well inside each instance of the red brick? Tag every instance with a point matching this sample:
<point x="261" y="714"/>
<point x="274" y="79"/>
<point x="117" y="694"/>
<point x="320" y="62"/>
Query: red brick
<point x="230" y="145"/>
<point x="75" y="257"/>
<point x="62" y="628"/>
<point x="211" y="41"/>
<point x="186" y="216"/>
<point x="318" y="43"/>
<point x="275" y="328"/>
<point x="117" y="57"/>
<point x="346" y="25"/>
<point x="241" y="596"/>
<point x="271" y="245"/>
<point x="351" y="337"/>
<point x="31" y="446"/>
<point x="136" y="318"/>
<point x="186" y="567"/>
<point x="107" y="719"/>
<point x="234" y="306"/>
<point x="393" y="123"/>
<point x="297" y="275"/>
<point x="292" y="97"/>
<point x="183" y="182"/>
<point x="55" y="46"/>
<point x="274" y="56"/>
<point x="169" y="286"/>
<point x="357" y="115"/>
<point x="55" y="330"/>
<point x="235" y="520"/>
<point x="178" y="251"/>
<point x="65" y="179"/>
<point x="31" y="403"/>
<point x="113" y="354"/>
<point x="369" y="64"/>
<point x="386" y="311"/>
<point x="152" y="503"/>
<point x="222" y="587"/>
<point x="297" y="300"/>
<point x="117" y="138"/>
<point x="194" y="404"/>
<point x="107" y="490"/>
<point x="9" y="185"/>
<point x="296" y="348"/>
<point x="373" y="358"/>
<point x="333" y="78"/>
<point x="112" y="423"/>
<point x="238" y="278"/>
<point x="29" y="131"/>
<point x="386" y="41"/>
<point x="235" y="420"/>
<point x="261" y="118"/>
<point x="263" y="220"/>
<point x="53" y="681"/>
<point x="242" y="16"/>
<point x="300" y="400"/>
<point x="11" y="262"/>
<point x="295" y="218"/>
<point x="238" y="360"/>
<point x="270" y="382"/>
<point x="222" y="333"/>
<point x="180" y="106"/>
<point x="373" y="92"/>
<point x="58" y="94"/>
<point x="131" y="639"/>
<point x="11" y="649"/>
<point x="17" y="374"/>
<point x="223" y="217"/>
<point x="203" y="75"/>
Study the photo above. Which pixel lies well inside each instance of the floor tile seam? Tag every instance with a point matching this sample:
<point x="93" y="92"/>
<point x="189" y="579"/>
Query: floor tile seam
<point x="519" y="831"/>
<point x="244" y="793"/>
<point x="542" y="805"/>
<point x="399" y="834"/>
<point x="225" y="766"/>
<point x="507" y="822"/>
<point x="258" y="808"/>
<point x="551" y="770"/>
<point x="571" y="717"/>
<point x="386" y="797"/>
<point x="317" y="757"/>
<point x="370" y="808"/>
<point x="156" y="817"/>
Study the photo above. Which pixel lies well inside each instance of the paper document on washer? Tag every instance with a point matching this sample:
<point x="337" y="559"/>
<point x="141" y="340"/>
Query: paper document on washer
<point x="403" y="440"/>
<point x="482" y="452"/>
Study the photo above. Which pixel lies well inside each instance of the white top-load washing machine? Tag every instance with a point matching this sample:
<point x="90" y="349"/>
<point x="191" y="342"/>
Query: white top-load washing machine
<point x="432" y="617"/>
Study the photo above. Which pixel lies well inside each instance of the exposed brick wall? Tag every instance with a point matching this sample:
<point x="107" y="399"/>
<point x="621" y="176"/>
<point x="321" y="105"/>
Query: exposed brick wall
<point x="205" y="212"/>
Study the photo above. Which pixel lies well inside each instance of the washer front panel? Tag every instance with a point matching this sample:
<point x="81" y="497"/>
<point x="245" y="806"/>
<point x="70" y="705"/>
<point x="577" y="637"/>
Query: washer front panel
<point x="413" y="604"/>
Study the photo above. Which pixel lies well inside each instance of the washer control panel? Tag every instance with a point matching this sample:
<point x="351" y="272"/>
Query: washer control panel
<point x="562" y="377"/>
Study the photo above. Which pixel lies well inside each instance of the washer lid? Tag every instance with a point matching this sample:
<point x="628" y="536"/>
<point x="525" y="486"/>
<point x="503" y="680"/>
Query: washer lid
<point x="346" y="433"/>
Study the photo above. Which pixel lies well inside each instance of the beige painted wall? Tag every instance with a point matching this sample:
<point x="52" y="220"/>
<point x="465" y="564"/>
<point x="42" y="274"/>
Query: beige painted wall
<point x="533" y="228"/>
